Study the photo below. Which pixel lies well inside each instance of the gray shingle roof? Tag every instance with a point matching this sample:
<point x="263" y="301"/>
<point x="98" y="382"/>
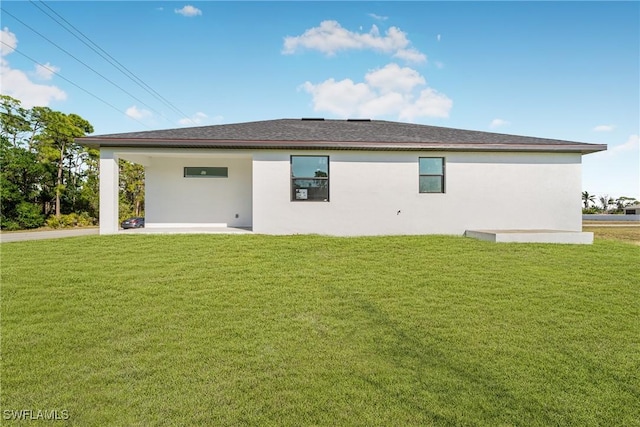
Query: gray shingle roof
<point x="335" y="134"/>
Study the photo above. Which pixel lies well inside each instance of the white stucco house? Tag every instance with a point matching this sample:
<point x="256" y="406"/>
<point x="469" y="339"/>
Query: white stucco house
<point x="350" y="178"/>
<point x="632" y="210"/>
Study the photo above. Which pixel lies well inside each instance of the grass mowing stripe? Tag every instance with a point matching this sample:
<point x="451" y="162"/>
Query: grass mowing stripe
<point x="428" y="330"/>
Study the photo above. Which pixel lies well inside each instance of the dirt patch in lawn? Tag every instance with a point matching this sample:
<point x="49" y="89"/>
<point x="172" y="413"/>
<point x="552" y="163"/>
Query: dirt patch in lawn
<point x="614" y="231"/>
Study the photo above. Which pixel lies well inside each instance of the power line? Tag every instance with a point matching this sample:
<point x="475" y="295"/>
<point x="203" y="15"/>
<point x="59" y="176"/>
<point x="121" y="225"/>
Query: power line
<point x="86" y="65"/>
<point x="79" y="87"/>
<point x="110" y="59"/>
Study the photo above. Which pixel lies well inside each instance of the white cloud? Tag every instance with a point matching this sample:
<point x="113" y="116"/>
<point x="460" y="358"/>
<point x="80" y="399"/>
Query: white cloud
<point x="431" y="103"/>
<point x="439" y="37"/>
<point x="342" y="98"/>
<point x="188" y="11"/>
<point x="393" y="78"/>
<point x="46" y="71"/>
<point x="196" y="119"/>
<point x="378" y="17"/>
<point x="137" y="113"/>
<point x="411" y="55"/>
<point x="330" y="37"/>
<point x="603" y="128"/>
<point x="497" y="123"/>
<point x="9" y="41"/>
<point x="632" y="144"/>
<point x="16" y="83"/>
<point x="390" y="90"/>
<point x="613" y="151"/>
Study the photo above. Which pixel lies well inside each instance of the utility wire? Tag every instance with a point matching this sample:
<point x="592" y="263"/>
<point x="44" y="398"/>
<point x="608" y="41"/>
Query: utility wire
<point x="79" y="87"/>
<point x="89" y="67"/>
<point x="110" y="59"/>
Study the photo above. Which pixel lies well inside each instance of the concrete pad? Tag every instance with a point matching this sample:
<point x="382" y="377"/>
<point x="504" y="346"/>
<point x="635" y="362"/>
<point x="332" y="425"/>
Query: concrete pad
<point x="187" y="230"/>
<point x="532" y="236"/>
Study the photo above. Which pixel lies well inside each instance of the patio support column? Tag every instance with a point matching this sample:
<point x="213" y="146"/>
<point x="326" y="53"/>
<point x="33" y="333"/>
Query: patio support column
<point x="109" y="176"/>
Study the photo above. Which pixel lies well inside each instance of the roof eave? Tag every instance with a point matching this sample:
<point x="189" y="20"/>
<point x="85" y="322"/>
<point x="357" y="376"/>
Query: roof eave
<point x="329" y="145"/>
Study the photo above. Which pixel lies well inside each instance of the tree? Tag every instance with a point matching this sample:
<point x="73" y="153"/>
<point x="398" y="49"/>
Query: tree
<point x="588" y="199"/>
<point x="20" y="176"/>
<point x="57" y="146"/>
<point x="622" y="202"/>
<point x="43" y="170"/>
<point x="605" y="202"/>
<point x="14" y="121"/>
<point x="89" y="185"/>
<point x="28" y="215"/>
<point x="131" y="188"/>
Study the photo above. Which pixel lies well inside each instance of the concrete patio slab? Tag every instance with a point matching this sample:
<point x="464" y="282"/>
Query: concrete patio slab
<point x="532" y="236"/>
<point x="187" y="230"/>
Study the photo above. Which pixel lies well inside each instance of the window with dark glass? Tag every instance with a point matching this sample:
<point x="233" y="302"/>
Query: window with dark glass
<point x="310" y="178"/>
<point x="431" y="174"/>
<point x="206" y="172"/>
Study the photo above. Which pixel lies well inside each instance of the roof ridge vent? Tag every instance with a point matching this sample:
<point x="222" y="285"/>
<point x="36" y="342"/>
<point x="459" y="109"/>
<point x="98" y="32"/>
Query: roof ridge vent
<point x="312" y="119"/>
<point x="358" y="120"/>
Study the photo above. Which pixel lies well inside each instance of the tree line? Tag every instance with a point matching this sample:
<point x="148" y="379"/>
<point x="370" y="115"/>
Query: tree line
<point x="592" y="204"/>
<point x="46" y="178"/>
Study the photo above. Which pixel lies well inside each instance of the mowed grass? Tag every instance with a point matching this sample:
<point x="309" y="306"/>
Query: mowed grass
<point x="309" y="330"/>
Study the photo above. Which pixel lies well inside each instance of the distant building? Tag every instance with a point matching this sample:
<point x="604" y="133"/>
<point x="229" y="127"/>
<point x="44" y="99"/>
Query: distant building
<point x="632" y="210"/>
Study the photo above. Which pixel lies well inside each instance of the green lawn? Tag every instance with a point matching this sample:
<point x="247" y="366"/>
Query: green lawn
<point x="308" y="330"/>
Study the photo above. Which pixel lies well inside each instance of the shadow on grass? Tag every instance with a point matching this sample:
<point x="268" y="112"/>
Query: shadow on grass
<point x="446" y="389"/>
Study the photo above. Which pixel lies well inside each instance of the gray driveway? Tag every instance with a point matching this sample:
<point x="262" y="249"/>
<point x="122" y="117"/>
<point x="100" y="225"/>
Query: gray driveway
<point x="56" y="234"/>
<point x="52" y="234"/>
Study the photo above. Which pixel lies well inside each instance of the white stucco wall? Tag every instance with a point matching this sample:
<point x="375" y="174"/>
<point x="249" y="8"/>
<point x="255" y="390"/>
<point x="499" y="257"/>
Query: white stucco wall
<point x="108" y="191"/>
<point x="377" y="193"/>
<point x="171" y="200"/>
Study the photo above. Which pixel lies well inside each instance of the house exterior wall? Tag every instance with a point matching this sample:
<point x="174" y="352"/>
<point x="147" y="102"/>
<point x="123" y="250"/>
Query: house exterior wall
<point x="108" y="191"/>
<point x="172" y="200"/>
<point x="376" y="193"/>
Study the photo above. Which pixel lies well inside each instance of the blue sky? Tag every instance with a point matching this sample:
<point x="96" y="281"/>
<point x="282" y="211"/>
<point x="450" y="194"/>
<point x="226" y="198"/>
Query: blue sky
<point x="564" y="70"/>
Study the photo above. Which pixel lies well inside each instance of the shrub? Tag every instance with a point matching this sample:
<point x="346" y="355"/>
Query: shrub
<point x="65" y="221"/>
<point x="54" y="222"/>
<point x="71" y="220"/>
<point x="590" y="210"/>
<point x="85" y="220"/>
<point x="29" y="216"/>
<point x="9" y="225"/>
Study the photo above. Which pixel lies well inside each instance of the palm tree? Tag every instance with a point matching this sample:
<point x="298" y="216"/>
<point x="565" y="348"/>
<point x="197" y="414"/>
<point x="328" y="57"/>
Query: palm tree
<point x="588" y="198"/>
<point x="605" y="202"/>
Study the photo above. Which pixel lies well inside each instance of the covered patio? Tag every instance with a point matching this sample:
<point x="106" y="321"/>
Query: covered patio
<point x="177" y="199"/>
